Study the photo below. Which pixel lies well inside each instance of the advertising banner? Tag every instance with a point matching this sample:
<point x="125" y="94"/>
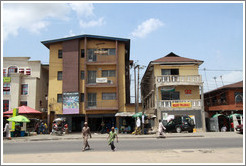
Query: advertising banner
<point x="181" y="105"/>
<point x="71" y="103"/>
<point x="101" y="80"/>
<point x="6" y="79"/>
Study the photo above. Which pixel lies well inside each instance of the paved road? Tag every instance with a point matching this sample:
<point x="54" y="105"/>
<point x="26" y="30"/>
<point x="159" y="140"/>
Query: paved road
<point x="123" y="145"/>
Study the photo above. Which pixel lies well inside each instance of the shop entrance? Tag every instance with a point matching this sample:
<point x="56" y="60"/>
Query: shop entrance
<point x="102" y="125"/>
<point x="77" y="124"/>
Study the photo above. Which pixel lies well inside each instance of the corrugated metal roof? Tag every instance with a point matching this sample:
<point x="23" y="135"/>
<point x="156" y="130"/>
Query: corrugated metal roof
<point x="48" y="42"/>
<point x="171" y="57"/>
<point x="230" y="86"/>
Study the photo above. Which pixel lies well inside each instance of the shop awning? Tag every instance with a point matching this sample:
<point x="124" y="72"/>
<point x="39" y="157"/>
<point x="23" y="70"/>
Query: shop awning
<point x="125" y="114"/>
<point x="23" y="110"/>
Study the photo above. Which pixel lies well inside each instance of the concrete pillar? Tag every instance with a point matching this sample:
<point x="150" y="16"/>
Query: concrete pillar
<point x="15" y="90"/>
<point x="202" y="110"/>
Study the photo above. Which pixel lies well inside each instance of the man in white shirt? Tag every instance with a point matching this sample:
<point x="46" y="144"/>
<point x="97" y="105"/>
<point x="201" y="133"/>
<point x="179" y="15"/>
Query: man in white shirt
<point x="161" y="129"/>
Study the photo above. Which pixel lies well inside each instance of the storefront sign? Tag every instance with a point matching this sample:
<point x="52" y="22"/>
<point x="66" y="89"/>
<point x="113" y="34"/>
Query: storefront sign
<point x="101" y="52"/>
<point x="101" y="80"/>
<point x="187" y="91"/>
<point x="71" y="103"/>
<point x="6" y="79"/>
<point x="181" y="105"/>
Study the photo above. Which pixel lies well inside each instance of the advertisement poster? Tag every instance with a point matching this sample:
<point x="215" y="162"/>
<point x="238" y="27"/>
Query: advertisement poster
<point x="71" y="103"/>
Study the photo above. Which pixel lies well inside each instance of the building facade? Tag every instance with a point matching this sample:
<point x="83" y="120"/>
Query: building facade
<point x="172" y="86"/>
<point x="88" y="80"/>
<point x="225" y="100"/>
<point x="25" y="82"/>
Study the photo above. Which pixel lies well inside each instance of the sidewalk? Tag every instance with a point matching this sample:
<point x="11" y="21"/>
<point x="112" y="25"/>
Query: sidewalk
<point x="76" y="136"/>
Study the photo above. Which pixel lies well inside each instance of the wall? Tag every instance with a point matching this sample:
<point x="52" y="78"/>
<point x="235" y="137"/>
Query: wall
<point x="183" y="69"/>
<point x="55" y="86"/>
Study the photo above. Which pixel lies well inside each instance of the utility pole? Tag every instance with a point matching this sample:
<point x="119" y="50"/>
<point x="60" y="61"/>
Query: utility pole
<point x="136" y="92"/>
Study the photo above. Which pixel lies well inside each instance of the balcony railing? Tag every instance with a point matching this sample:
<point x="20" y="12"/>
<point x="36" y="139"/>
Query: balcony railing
<point x="177" y="79"/>
<point x="179" y="104"/>
<point x="102" y="105"/>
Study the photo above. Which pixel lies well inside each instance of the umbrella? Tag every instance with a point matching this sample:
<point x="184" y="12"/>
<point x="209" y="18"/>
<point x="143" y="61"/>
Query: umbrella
<point x="18" y="118"/>
<point x="58" y="119"/>
<point x="237" y="115"/>
<point x="216" y="115"/>
<point x="23" y="110"/>
<point x="138" y="114"/>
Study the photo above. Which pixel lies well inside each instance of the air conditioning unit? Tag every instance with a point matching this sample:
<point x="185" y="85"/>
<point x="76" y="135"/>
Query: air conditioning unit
<point x="110" y="82"/>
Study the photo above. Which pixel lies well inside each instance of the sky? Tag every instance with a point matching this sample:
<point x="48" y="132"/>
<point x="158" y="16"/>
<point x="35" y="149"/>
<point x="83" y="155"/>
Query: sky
<point x="211" y="32"/>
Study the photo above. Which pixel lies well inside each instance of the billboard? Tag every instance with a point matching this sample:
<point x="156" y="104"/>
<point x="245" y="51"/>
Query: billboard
<point x="181" y="105"/>
<point x="71" y="103"/>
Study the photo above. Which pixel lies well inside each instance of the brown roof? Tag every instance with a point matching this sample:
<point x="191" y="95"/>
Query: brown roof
<point x="171" y="57"/>
<point x="235" y="85"/>
<point x="230" y="86"/>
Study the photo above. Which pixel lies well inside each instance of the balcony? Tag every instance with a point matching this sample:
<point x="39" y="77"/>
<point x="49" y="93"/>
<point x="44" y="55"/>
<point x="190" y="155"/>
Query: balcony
<point x="167" y="80"/>
<point x="102" y="105"/>
<point x="101" y="82"/>
<point x="179" y="104"/>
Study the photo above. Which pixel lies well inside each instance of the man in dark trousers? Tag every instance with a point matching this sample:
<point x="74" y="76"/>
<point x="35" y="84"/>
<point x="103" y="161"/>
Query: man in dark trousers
<point x="86" y="133"/>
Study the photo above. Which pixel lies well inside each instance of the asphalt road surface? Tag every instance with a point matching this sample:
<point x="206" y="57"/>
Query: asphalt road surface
<point x="122" y="145"/>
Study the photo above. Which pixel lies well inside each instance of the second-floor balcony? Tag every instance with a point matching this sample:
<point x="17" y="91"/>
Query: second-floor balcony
<point x="178" y="80"/>
<point x="179" y="104"/>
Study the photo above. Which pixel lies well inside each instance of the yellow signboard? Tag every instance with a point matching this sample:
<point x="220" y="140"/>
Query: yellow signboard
<point x="181" y="105"/>
<point x="6" y="79"/>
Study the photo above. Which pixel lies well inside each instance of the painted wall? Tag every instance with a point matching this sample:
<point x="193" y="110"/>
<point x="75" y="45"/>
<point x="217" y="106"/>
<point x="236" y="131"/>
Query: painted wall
<point x="183" y="69"/>
<point x="55" y="86"/>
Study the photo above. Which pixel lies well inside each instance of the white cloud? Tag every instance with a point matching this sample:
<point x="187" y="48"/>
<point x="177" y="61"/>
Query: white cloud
<point x="83" y="9"/>
<point x="30" y="16"/>
<point x="92" y="23"/>
<point x="147" y="27"/>
<point x="34" y="17"/>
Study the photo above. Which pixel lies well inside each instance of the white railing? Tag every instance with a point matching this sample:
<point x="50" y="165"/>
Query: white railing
<point x="179" y="79"/>
<point x="179" y="104"/>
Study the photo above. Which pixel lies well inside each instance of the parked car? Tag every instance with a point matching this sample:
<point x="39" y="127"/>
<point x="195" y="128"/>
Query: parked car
<point x="179" y="124"/>
<point x="239" y="128"/>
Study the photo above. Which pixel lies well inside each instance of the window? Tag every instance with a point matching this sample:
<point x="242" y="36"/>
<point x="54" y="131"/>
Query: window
<point x="108" y="73"/>
<point x="23" y="103"/>
<point x="28" y="71"/>
<point x="169" y="71"/>
<point x="59" y="53"/>
<point x="82" y="75"/>
<point x="223" y="99"/>
<point x="82" y="53"/>
<point x="21" y="70"/>
<point x="4" y="72"/>
<point x="24" y="89"/>
<point x="12" y="69"/>
<point x="238" y="97"/>
<point x="5" y="105"/>
<point x="6" y="88"/>
<point x="81" y="97"/>
<point x="165" y="95"/>
<point x="59" y="75"/>
<point x="59" y="98"/>
<point x="111" y="51"/>
<point x="108" y="96"/>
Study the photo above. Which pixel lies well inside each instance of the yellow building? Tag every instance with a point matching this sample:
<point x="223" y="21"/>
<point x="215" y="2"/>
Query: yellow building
<point x="89" y="80"/>
<point x="172" y="86"/>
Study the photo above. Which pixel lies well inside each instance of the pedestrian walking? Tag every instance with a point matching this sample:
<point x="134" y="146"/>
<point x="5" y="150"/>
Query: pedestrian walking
<point x="111" y="137"/>
<point x="161" y="129"/>
<point x="7" y="131"/>
<point x="86" y="133"/>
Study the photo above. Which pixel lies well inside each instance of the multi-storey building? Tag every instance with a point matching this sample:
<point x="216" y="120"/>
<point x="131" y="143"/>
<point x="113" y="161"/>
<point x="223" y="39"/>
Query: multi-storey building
<point x="88" y="80"/>
<point x="225" y="100"/>
<point x="25" y="82"/>
<point x="172" y="86"/>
